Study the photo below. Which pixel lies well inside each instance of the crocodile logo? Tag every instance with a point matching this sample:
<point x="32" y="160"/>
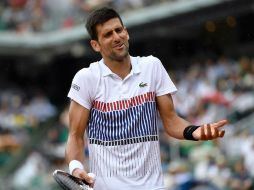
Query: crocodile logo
<point x="142" y="84"/>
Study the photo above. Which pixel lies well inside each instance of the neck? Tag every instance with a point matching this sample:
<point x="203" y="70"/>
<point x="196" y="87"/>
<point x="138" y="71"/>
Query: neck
<point x="120" y="67"/>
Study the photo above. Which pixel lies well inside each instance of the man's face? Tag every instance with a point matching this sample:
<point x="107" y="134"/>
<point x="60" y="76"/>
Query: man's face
<point x="112" y="40"/>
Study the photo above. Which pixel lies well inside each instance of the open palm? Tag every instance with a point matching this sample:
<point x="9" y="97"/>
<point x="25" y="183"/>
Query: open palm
<point x="210" y="131"/>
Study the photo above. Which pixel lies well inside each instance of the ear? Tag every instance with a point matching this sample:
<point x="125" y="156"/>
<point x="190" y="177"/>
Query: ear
<point x="95" y="45"/>
<point x="128" y="37"/>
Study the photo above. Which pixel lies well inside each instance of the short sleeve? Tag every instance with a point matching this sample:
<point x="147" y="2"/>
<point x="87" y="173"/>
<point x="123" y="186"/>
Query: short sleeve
<point x="82" y="88"/>
<point x="164" y="84"/>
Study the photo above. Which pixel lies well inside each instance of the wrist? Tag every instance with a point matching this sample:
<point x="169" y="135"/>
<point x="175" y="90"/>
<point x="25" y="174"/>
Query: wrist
<point x="75" y="164"/>
<point x="188" y="132"/>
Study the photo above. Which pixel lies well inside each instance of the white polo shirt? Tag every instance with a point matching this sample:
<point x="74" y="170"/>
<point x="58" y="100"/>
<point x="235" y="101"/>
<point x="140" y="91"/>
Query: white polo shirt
<point x="122" y="131"/>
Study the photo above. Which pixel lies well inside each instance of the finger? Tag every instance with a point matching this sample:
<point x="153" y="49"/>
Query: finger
<point x="221" y="133"/>
<point x="76" y="172"/>
<point x="82" y="175"/>
<point x="220" y="124"/>
<point x="215" y="133"/>
<point x="208" y="132"/>
<point x="86" y="177"/>
<point x="202" y="132"/>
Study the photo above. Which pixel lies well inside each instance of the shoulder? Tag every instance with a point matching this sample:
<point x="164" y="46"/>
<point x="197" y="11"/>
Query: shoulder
<point x="148" y="59"/>
<point x="148" y="62"/>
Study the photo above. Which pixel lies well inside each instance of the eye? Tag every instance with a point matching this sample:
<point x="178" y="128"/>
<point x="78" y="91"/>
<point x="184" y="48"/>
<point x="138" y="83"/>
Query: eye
<point x="119" y="30"/>
<point x="108" y="34"/>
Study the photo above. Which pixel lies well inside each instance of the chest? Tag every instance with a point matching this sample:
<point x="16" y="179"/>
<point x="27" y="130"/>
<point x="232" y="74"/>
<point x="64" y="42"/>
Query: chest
<point x="112" y="88"/>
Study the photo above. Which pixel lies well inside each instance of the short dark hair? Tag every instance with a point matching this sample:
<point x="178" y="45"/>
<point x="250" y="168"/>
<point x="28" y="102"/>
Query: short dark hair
<point x="100" y="16"/>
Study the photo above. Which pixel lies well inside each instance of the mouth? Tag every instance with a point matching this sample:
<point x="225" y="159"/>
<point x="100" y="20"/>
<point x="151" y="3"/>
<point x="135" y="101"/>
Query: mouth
<point x="119" y="46"/>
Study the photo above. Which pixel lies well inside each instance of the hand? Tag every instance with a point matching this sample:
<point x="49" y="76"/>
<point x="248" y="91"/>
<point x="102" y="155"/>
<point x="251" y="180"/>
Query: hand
<point x="210" y="131"/>
<point x="84" y="176"/>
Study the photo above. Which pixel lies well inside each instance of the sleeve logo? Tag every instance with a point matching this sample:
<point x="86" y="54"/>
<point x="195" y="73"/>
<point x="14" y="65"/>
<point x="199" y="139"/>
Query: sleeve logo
<point x="75" y="87"/>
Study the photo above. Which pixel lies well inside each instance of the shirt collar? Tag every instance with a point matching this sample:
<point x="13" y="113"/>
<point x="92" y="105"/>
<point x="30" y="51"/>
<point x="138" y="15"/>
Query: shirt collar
<point x="105" y="70"/>
<point x="134" y="64"/>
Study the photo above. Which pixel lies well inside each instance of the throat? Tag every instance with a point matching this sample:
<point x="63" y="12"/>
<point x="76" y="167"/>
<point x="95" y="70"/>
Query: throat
<point x="122" y="69"/>
<point x="123" y="73"/>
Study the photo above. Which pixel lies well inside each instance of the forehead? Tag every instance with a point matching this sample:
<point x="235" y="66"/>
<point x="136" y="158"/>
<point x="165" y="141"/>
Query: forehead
<point x="108" y="26"/>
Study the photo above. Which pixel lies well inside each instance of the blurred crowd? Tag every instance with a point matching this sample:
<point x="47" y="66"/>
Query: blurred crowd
<point x="20" y="113"/>
<point x="209" y="90"/>
<point x="213" y="89"/>
<point x="23" y="16"/>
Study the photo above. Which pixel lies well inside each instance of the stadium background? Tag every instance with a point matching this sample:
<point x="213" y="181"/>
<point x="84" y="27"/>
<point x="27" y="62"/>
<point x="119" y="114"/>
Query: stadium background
<point x="207" y="47"/>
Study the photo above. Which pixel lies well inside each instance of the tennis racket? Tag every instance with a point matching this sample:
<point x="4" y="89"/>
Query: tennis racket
<point x="70" y="182"/>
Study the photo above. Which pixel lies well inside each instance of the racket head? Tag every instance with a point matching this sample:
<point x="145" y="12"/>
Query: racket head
<point x="70" y="182"/>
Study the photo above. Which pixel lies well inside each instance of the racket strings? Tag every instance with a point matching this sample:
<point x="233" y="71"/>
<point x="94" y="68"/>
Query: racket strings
<point x="69" y="181"/>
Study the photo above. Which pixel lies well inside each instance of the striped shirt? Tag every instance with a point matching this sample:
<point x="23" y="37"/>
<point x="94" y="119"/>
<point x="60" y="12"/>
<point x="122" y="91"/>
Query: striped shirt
<point x="122" y="132"/>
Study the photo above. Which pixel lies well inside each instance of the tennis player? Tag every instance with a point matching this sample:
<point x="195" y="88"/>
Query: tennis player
<point x="115" y="100"/>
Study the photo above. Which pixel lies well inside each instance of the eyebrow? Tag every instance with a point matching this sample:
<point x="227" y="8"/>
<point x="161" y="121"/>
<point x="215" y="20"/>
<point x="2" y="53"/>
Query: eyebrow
<point x="110" y="31"/>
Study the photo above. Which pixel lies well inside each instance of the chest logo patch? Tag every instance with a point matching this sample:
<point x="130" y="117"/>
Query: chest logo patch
<point x="142" y="84"/>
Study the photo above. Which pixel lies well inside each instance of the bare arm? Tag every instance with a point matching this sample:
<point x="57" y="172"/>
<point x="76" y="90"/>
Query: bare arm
<point x="78" y="117"/>
<point x="175" y="125"/>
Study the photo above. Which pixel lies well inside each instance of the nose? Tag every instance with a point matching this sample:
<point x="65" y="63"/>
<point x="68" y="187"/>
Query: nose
<point x="116" y="36"/>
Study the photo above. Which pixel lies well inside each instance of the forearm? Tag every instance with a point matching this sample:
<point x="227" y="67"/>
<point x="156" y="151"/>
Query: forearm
<point x="74" y="148"/>
<point x="78" y="118"/>
<point x="179" y="128"/>
<point x="175" y="126"/>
